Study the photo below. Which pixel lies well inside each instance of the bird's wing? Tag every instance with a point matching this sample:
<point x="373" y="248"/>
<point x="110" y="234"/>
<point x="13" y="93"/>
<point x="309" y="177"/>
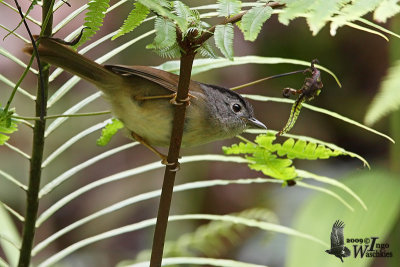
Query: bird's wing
<point x="163" y="78"/>
<point x="337" y="238"/>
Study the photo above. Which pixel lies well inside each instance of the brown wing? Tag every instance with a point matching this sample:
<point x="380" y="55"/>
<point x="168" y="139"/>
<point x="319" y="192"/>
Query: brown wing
<point x="165" y="79"/>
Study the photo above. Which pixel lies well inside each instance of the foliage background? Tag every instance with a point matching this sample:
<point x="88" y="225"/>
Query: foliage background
<point x="359" y="59"/>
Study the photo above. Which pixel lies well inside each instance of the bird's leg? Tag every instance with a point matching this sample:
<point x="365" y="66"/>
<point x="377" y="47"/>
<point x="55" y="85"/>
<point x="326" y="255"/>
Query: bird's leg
<point x="144" y="142"/>
<point x="171" y="96"/>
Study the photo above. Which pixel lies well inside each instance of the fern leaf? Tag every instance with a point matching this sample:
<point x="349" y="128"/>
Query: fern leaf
<point x="182" y="10"/>
<point x="227" y="8"/>
<point x="294" y="9"/>
<point x="165" y="34"/>
<point x="353" y="11"/>
<point x="386" y="9"/>
<point x="93" y="19"/>
<point x="223" y="37"/>
<point x="213" y="239"/>
<point x="253" y="20"/>
<point x="109" y="131"/>
<point x="270" y="165"/>
<point x="134" y="19"/>
<point x="388" y="98"/>
<point x="8" y="125"/>
<point x="169" y="52"/>
<point x="305" y="150"/>
<point x="207" y="51"/>
<point x="162" y="9"/>
<point x="321" y="13"/>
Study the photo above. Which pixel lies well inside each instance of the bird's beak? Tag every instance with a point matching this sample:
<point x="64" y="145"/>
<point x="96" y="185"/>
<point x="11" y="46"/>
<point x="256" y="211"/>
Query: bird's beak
<point x="256" y="123"/>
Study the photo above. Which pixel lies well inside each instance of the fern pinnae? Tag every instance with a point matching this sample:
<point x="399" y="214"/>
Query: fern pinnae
<point x="385" y="10"/>
<point x="223" y="37"/>
<point x="94" y="18"/>
<point x="253" y="20"/>
<point x="227" y="8"/>
<point x="134" y="19"/>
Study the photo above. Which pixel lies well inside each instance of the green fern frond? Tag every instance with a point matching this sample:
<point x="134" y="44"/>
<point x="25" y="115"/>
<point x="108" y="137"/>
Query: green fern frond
<point x="386" y="9"/>
<point x="207" y="51"/>
<point x="253" y="20"/>
<point x="182" y="10"/>
<point x="293" y="9"/>
<point x="169" y="52"/>
<point x="388" y="98"/>
<point x="109" y="131"/>
<point x="165" y="34"/>
<point x="275" y="160"/>
<point x="162" y="8"/>
<point x="93" y="19"/>
<point x="8" y="125"/>
<point x="322" y="11"/>
<point x="227" y="8"/>
<point x="134" y="19"/>
<point x="353" y="11"/>
<point x="223" y="37"/>
<point x="213" y="239"/>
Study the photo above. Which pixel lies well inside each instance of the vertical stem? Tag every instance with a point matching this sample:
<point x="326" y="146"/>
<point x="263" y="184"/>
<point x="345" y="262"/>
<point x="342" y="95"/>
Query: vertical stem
<point x="173" y="155"/>
<point x="37" y="154"/>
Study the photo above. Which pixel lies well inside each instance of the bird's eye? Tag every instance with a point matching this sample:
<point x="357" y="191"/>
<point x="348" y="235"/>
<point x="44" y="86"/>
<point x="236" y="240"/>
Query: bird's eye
<point x="236" y="107"/>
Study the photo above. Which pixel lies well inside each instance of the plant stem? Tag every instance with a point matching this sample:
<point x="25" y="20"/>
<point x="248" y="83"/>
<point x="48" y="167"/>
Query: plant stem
<point x="173" y="155"/>
<point x="37" y="151"/>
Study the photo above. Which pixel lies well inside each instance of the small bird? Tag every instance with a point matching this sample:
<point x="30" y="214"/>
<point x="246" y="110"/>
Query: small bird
<point x="337" y="241"/>
<point x="140" y="97"/>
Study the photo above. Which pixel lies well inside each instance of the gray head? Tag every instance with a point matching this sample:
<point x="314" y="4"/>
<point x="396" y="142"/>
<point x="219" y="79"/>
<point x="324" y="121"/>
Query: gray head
<point x="230" y="111"/>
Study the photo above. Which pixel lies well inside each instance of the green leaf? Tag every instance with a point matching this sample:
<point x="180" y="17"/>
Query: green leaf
<point x="253" y="20"/>
<point x="162" y="9"/>
<point x="386" y="9"/>
<point x="93" y="19"/>
<point x="207" y="51"/>
<point x="227" y="8"/>
<point x="8" y="125"/>
<point x="270" y="165"/>
<point x="267" y="156"/>
<point x="212" y="240"/>
<point x="322" y="11"/>
<point x="388" y="97"/>
<point x="165" y="34"/>
<point x="109" y="131"/>
<point x="351" y="12"/>
<point x="379" y="190"/>
<point x="134" y="19"/>
<point x="293" y="9"/>
<point x="223" y="37"/>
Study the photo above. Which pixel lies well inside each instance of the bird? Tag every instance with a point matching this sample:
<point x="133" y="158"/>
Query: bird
<point x="337" y="241"/>
<point x="141" y="97"/>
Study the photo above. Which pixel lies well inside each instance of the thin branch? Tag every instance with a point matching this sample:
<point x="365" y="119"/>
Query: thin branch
<point x="35" y="172"/>
<point x="236" y="18"/>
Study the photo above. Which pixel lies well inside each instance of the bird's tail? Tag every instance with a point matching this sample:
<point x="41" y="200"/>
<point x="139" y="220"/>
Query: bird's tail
<point x="60" y="55"/>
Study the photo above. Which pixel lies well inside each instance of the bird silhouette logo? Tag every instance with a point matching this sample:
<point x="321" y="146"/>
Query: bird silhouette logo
<point x="337" y="241"/>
